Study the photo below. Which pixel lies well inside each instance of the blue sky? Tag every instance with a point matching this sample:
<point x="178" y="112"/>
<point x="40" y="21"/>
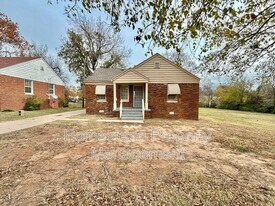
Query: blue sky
<point x="42" y="23"/>
<point x="46" y="24"/>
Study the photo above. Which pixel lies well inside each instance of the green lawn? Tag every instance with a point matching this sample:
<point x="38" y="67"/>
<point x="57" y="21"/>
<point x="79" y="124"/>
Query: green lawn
<point x="10" y="116"/>
<point x="250" y="119"/>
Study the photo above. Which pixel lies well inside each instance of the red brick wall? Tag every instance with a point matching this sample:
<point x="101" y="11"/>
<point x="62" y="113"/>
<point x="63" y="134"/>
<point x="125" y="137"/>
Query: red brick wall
<point x="12" y="94"/>
<point x="125" y="104"/>
<point x="186" y="106"/>
<point x="92" y="106"/>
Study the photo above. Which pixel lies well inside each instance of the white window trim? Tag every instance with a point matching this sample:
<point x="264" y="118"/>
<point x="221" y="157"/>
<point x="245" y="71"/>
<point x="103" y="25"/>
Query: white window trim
<point x="124" y="100"/>
<point x="172" y="101"/>
<point x="53" y="89"/>
<point x="27" y="93"/>
<point x="101" y="100"/>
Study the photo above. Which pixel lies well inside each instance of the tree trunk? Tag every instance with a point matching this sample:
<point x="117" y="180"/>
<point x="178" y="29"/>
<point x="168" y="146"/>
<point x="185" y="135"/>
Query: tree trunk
<point x="83" y="95"/>
<point x="83" y="104"/>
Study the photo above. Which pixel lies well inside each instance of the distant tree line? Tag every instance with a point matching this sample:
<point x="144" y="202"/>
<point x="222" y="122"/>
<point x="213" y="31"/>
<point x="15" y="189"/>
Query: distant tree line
<point x="240" y="93"/>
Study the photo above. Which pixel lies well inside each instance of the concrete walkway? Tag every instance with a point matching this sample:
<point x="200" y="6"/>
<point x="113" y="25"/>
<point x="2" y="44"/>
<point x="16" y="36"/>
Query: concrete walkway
<point x="11" y="126"/>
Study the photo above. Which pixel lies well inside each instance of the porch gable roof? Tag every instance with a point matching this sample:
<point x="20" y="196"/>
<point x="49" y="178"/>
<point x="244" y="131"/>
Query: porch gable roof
<point x="130" y="76"/>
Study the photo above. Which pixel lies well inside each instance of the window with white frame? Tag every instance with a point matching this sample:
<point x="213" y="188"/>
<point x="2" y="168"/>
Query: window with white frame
<point x="172" y="91"/>
<point x="100" y="92"/>
<point x="51" y="89"/>
<point x="28" y="86"/>
<point x="101" y="97"/>
<point x="124" y="93"/>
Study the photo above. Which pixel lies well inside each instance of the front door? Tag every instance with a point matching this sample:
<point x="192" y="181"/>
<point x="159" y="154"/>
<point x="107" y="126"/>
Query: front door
<point x="137" y="96"/>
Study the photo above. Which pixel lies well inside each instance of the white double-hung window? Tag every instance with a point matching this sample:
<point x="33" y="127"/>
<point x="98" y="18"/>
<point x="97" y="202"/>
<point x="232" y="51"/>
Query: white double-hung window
<point x="100" y="92"/>
<point x="28" y="86"/>
<point x="124" y="92"/>
<point x="51" y="89"/>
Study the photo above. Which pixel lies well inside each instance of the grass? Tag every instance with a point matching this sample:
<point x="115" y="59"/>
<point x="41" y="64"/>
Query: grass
<point x="10" y="116"/>
<point x="235" y="168"/>
<point x="239" y="118"/>
<point x="242" y="131"/>
<point x="242" y="148"/>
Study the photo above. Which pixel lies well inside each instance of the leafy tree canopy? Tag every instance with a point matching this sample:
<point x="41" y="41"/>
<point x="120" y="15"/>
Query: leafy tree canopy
<point x="236" y="34"/>
<point x="11" y="41"/>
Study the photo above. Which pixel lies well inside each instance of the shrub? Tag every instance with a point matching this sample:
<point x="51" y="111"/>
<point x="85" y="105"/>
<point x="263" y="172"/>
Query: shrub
<point x="65" y="102"/>
<point x="33" y="103"/>
<point x="201" y="104"/>
<point x="7" y="110"/>
<point x="228" y="105"/>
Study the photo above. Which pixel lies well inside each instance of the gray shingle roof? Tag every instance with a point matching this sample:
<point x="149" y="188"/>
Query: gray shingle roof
<point x="103" y="75"/>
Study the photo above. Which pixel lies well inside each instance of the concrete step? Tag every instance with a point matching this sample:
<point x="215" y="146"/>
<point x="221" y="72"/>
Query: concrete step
<point x="131" y="110"/>
<point x="131" y="118"/>
<point x="140" y="116"/>
<point x="132" y="113"/>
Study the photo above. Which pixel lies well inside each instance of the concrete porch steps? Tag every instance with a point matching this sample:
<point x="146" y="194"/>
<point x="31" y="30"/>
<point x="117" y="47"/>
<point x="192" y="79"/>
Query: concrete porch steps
<point x="131" y="114"/>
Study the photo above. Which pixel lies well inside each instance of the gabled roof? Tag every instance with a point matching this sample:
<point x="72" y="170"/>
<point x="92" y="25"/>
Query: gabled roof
<point x="167" y="60"/>
<point x="103" y="75"/>
<point x="133" y="71"/>
<point x="110" y="75"/>
<point x="9" y="61"/>
<point x="36" y="69"/>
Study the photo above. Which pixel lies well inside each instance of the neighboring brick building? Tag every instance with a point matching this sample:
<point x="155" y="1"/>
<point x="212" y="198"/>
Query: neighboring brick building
<point x="156" y="86"/>
<point x="23" y="77"/>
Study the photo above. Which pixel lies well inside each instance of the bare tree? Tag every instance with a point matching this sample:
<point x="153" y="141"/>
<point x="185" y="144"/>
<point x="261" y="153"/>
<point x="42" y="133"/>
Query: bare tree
<point x="92" y="44"/>
<point x="267" y="77"/>
<point x="182" y="59"/>
<point x="207" y="93"/>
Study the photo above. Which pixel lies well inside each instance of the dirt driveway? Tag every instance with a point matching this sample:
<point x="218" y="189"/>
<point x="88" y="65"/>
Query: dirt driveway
<point x="162" y="162"/>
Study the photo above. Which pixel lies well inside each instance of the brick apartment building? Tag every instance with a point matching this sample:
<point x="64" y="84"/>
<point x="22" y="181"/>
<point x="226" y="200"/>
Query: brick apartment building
<point x="156" y="87"/>
<point x="23" y="77"/>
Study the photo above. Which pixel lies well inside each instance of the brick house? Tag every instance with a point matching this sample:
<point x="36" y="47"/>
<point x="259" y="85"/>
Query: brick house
<point x="23" y="77"/>
<point x="155" y="88"/>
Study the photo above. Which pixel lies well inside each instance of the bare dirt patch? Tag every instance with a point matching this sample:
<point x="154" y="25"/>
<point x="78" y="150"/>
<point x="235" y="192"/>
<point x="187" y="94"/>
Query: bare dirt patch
<point x="39" y="167"/>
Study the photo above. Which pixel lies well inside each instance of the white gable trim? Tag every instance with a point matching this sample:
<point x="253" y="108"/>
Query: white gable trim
<point x="123" y="78"/>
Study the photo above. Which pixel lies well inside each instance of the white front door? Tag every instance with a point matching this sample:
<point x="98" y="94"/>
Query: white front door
<point x="137" y="96"/>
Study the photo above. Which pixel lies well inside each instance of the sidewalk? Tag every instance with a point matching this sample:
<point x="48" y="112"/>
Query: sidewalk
<point x="11" y="126"/>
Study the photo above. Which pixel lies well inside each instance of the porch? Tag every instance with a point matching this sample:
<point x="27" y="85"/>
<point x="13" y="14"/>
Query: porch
<point x="130" y="95"/>
<point x="130" y="100"/>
